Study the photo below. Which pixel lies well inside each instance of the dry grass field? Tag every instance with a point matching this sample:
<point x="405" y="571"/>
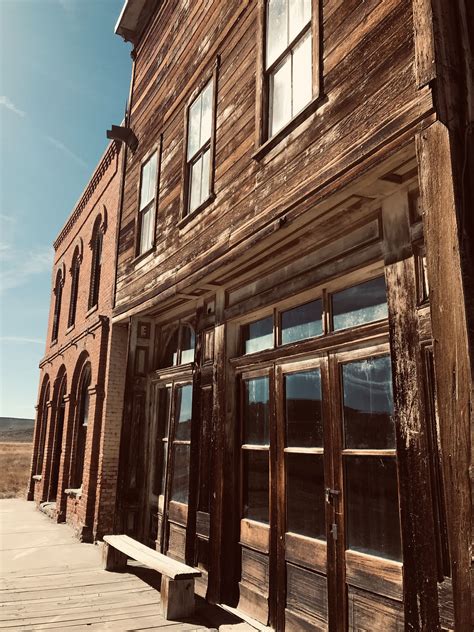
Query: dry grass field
<point x="14" y="468"/>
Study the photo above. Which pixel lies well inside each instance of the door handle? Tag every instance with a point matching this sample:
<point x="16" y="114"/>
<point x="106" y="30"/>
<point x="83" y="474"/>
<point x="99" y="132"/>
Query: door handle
<point x="331" y="494"/>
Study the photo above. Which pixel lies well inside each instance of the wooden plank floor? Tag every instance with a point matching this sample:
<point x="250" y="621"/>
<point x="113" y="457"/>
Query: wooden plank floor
<point x="51" y="581"/>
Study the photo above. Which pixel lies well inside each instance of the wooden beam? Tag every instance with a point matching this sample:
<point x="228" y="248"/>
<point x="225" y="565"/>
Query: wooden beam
<point x="441" y="183"/>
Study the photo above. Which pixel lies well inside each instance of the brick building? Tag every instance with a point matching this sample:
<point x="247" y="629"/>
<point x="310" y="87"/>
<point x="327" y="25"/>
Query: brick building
<point x="81" y="381"/>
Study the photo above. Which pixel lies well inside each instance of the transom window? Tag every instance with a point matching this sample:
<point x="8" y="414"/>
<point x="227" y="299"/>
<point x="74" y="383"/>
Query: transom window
<point x="146" y="215"/>
<point x="179" y="347"/>
<point x="357" y="305"/>
<point x="288" y="60"/>
<point x="198" y="152"/>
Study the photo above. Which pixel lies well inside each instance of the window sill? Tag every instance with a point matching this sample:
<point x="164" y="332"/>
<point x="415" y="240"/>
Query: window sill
<point x="93" y="309"/>
<point x="74" y="493"/>
<point x="288" y="128"/>
<point x="70" y="328"/>
<point x="144" y="256"/>
<point x="187" y="219"/>
<point x="53" y="343"/>
<point x="37" y="477"/>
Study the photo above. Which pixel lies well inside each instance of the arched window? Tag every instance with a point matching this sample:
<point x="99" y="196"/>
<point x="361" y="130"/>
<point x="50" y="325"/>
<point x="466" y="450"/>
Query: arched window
<point x="96" y="246"/>
<point x="75" y="267"/>
<point x="42" y="425"/>
<point x="82" y="419"/>
<point x="58" y="291"/>
<point x="180" y="347"/>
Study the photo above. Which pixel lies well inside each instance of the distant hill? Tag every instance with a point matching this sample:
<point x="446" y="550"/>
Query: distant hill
<point x="14" y="429"/>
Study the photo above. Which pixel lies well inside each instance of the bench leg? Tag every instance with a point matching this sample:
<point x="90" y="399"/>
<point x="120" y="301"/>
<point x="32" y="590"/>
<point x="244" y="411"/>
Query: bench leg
<point x="112" y="559"/>
<point x="177" y="598"/>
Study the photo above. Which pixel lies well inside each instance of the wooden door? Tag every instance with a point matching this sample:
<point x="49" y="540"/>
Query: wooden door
<point x="304" y="466"/>
<point x="366" y="531"/>
<point x="161" y="394"/>
<point x="257" y="476"/>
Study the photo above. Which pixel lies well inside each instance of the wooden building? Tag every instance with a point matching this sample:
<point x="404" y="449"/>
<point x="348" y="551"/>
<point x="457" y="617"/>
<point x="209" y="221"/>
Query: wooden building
<point x="294" y="267"/>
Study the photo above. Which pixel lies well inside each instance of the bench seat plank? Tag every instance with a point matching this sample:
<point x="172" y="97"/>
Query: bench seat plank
<point x="152" y="559"/>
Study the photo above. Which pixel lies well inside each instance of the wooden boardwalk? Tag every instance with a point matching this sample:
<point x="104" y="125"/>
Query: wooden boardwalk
<point x="51" y="581"/>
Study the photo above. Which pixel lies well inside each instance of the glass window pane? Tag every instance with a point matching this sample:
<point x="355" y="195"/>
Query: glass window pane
<point x="256" y="411"/>
<point x="148" y="183"/>
<point x="195" y="185"/>
<point x="277" y="29"/>
<point x="194" y="127"/>
<point x="300" y="15"/>
<point x="146" y="230"/>
<point x="302" y="75"/>
<point x="280" y="96"/>
<point x="373" y="524"/>
<point x="368" y="404"/>
<point x="363" y="303"/>
<point x="180" y="483"/>
<point x="305" y="495"/>
<point x="205" y="176"/>
<point x="183" y="414"/>
<point x="255" y="485"/>
<point x="258" y="335"/>
<point x="164" y="468"/>
<point x="188" y="342"/>
<point x="170" y="357"/>
<point x="206" y="116"/>
<point x="304" y="321"/>
<point x="304" y="419"/>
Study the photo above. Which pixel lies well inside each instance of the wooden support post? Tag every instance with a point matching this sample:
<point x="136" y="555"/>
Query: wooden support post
<point x="450" y="273"/>
<point x="416" y="507"/>
<point x="112" y="559"/>
<point x="177" y="598"/>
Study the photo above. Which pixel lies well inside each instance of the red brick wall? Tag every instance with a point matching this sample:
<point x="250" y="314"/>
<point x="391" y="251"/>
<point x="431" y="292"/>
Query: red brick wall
<point x="88" y="340"/>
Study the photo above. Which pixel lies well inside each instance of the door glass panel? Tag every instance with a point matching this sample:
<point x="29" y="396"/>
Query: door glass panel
<point x="161" y="444"/>
<point x="304" y="422"/>
<point x="305" y="495"/>
<point x="256" y="411"/>
<point x="363" y="303"/>
<point x="255" y="485"/>
<point x="372" y="506"/>
<point x="258" y="335"/>
<point x="368" y="405"/>
<point x="180" y="483"/>
<point x="304" y="321"/>
<point x="184" y="402"/>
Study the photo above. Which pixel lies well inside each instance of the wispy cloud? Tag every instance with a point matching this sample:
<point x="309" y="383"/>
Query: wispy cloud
<point x="16" y="339"/>
<point x="65" y="150"/>
<point x="17" y="267"/>
<point x="9" y="105"/>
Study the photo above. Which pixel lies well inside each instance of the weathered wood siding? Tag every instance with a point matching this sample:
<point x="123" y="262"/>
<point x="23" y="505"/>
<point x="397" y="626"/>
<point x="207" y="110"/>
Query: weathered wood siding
<point x="370" y="97"/>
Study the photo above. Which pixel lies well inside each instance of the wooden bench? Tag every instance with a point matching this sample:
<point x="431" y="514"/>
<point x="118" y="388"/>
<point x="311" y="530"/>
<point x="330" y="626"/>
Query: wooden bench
<point x="177" y="579"/>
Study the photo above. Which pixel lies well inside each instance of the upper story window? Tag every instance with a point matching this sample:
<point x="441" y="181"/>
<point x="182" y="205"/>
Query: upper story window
<point x="288" y="60"/>
<point x="75" y="268"/>
<point x="147" y="206"/>
<point x="288" y="75"/>
<point x="96" y="246"/>
<point x="58" y="291"/>
<point x="199" y="150"/>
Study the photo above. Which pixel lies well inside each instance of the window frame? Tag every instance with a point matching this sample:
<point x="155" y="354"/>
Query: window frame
<point x="186" y="215"/>
<point x="58" y="294"/>
<point x="156" y="149"/>
<point x="96" y="264"/>
<point x="74" y="294"/>
<point x="263" y="141"/>
<point x="84" y="392"/>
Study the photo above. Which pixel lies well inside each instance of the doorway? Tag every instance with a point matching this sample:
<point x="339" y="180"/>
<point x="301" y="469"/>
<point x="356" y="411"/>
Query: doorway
<point x="318" y="495"/>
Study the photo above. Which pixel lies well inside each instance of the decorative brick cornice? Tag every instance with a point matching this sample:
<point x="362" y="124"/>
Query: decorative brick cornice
<point x="99" y="172"/>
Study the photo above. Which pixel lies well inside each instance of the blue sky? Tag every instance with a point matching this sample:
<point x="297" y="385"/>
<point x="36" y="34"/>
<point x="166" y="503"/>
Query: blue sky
<point x="64" y="79"/>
